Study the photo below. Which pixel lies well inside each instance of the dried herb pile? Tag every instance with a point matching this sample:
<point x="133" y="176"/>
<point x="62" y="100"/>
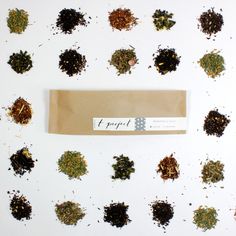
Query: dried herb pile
<point x="211" y="22"/>
<point x="162" y="212"/>
<point x="22" y="161"/>
<point x="17" y="20"/>
<point x="69" y="213"/>
<point x="215" y="123"/>
<point x="20" y="111"/>
<point x="212" y="172"/>
<point x="163" y="20"/>
<point x="212" y="63"/>
<point x="73" y="164"/>
<point x="123" y="167"/>
<point x="20" y="62"/>
<point x="20" y="207"/>
<point x="122" y="19"/>
<point x="166" y="60"/>
<point x="116" y="214"/>
<point x="205" y="217"/>
<point x="72" y="62"/>
<point x="123" y="60"/>
<point x="169" y="168"/>
<point x="68" y="19"/>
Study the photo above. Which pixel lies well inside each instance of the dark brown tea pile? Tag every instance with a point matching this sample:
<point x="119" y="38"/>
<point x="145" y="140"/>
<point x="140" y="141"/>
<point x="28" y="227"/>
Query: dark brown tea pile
<point x="22" y="161"/>
<point x="162" y="212"/>
<point x="68" y="19"/>
<point x="116" y="214"/>
<point x="20" y="62"/>
<point x="166" y="60"/>
<point x="215" y="123"/>
<point x="20" y="207"/>
<point x="122" y="19"/>
<point x="169" y="168"/>
<point x="20" y="111"/>
<point x="211" y="22"/>
<point x="123" y="167"/>
<point x="72" y="62"/>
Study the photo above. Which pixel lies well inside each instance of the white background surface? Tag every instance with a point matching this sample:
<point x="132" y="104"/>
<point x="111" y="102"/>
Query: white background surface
<point x="46" y="186"/>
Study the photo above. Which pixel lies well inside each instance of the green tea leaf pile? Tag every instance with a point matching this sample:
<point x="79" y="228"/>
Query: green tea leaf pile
<point x="69" y="213"/>
<point x="17" y="20"/>
<point x="212" y="172"/>
<point x="212" y="63"/>
<point x="163" y="20"/>
<point x="123" y="60"/>
<point x="205" y="217"/>
<point x="73" y="164"/>
<point x="20" y="62"/>
<point x="123" y="167"/>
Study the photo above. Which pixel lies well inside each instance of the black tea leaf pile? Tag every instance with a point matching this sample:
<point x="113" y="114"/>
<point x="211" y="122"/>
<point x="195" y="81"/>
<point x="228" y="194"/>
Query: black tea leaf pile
<point x="20" y="207"/>
<point x="166" y="60"/>
<point x="68" y="19"/>
<point x="116" y="214"/>
<point x="71" y="62"/>
<point x="22" y="161"/>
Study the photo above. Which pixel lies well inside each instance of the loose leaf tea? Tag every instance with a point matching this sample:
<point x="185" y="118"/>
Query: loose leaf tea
<point x="212" y="63"/>
<point x="20" y="207"/>
<point x="123" y="167"/>
<point x="20" y="111"/>
<point x="162" y="212"/>
<point x="215" y="123"/>
<point x="73" y="164"/>
<point x="69" y="213"/>
<point x="212" y="172"/>
<point x="68" y="19"/>
<point x="169" y="168"/>
<point x="17" y="20"/>
<point x="211" y="22"/>
<point x="122" y="19"/>
<point x="163" y="20"/>
<point x="22" y="161"/>
<point x="20" y="62"/>
<point x="72" y="62"/>
<point x="166" y="60"/>
<point x="205" y="218"/>
<point x="123" y="60"/>
<point x="116" y="214"/>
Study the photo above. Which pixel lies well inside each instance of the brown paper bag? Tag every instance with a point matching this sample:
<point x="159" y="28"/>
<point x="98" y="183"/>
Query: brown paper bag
<point x="117" y="112"/>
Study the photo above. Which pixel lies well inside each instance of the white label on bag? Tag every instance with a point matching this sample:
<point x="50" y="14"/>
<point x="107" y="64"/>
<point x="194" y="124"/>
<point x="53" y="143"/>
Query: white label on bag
<point x="140" y="124"/>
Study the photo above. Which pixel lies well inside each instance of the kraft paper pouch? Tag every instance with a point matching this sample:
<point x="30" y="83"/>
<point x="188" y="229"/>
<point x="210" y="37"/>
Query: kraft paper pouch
<point x="117" y="112"/>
